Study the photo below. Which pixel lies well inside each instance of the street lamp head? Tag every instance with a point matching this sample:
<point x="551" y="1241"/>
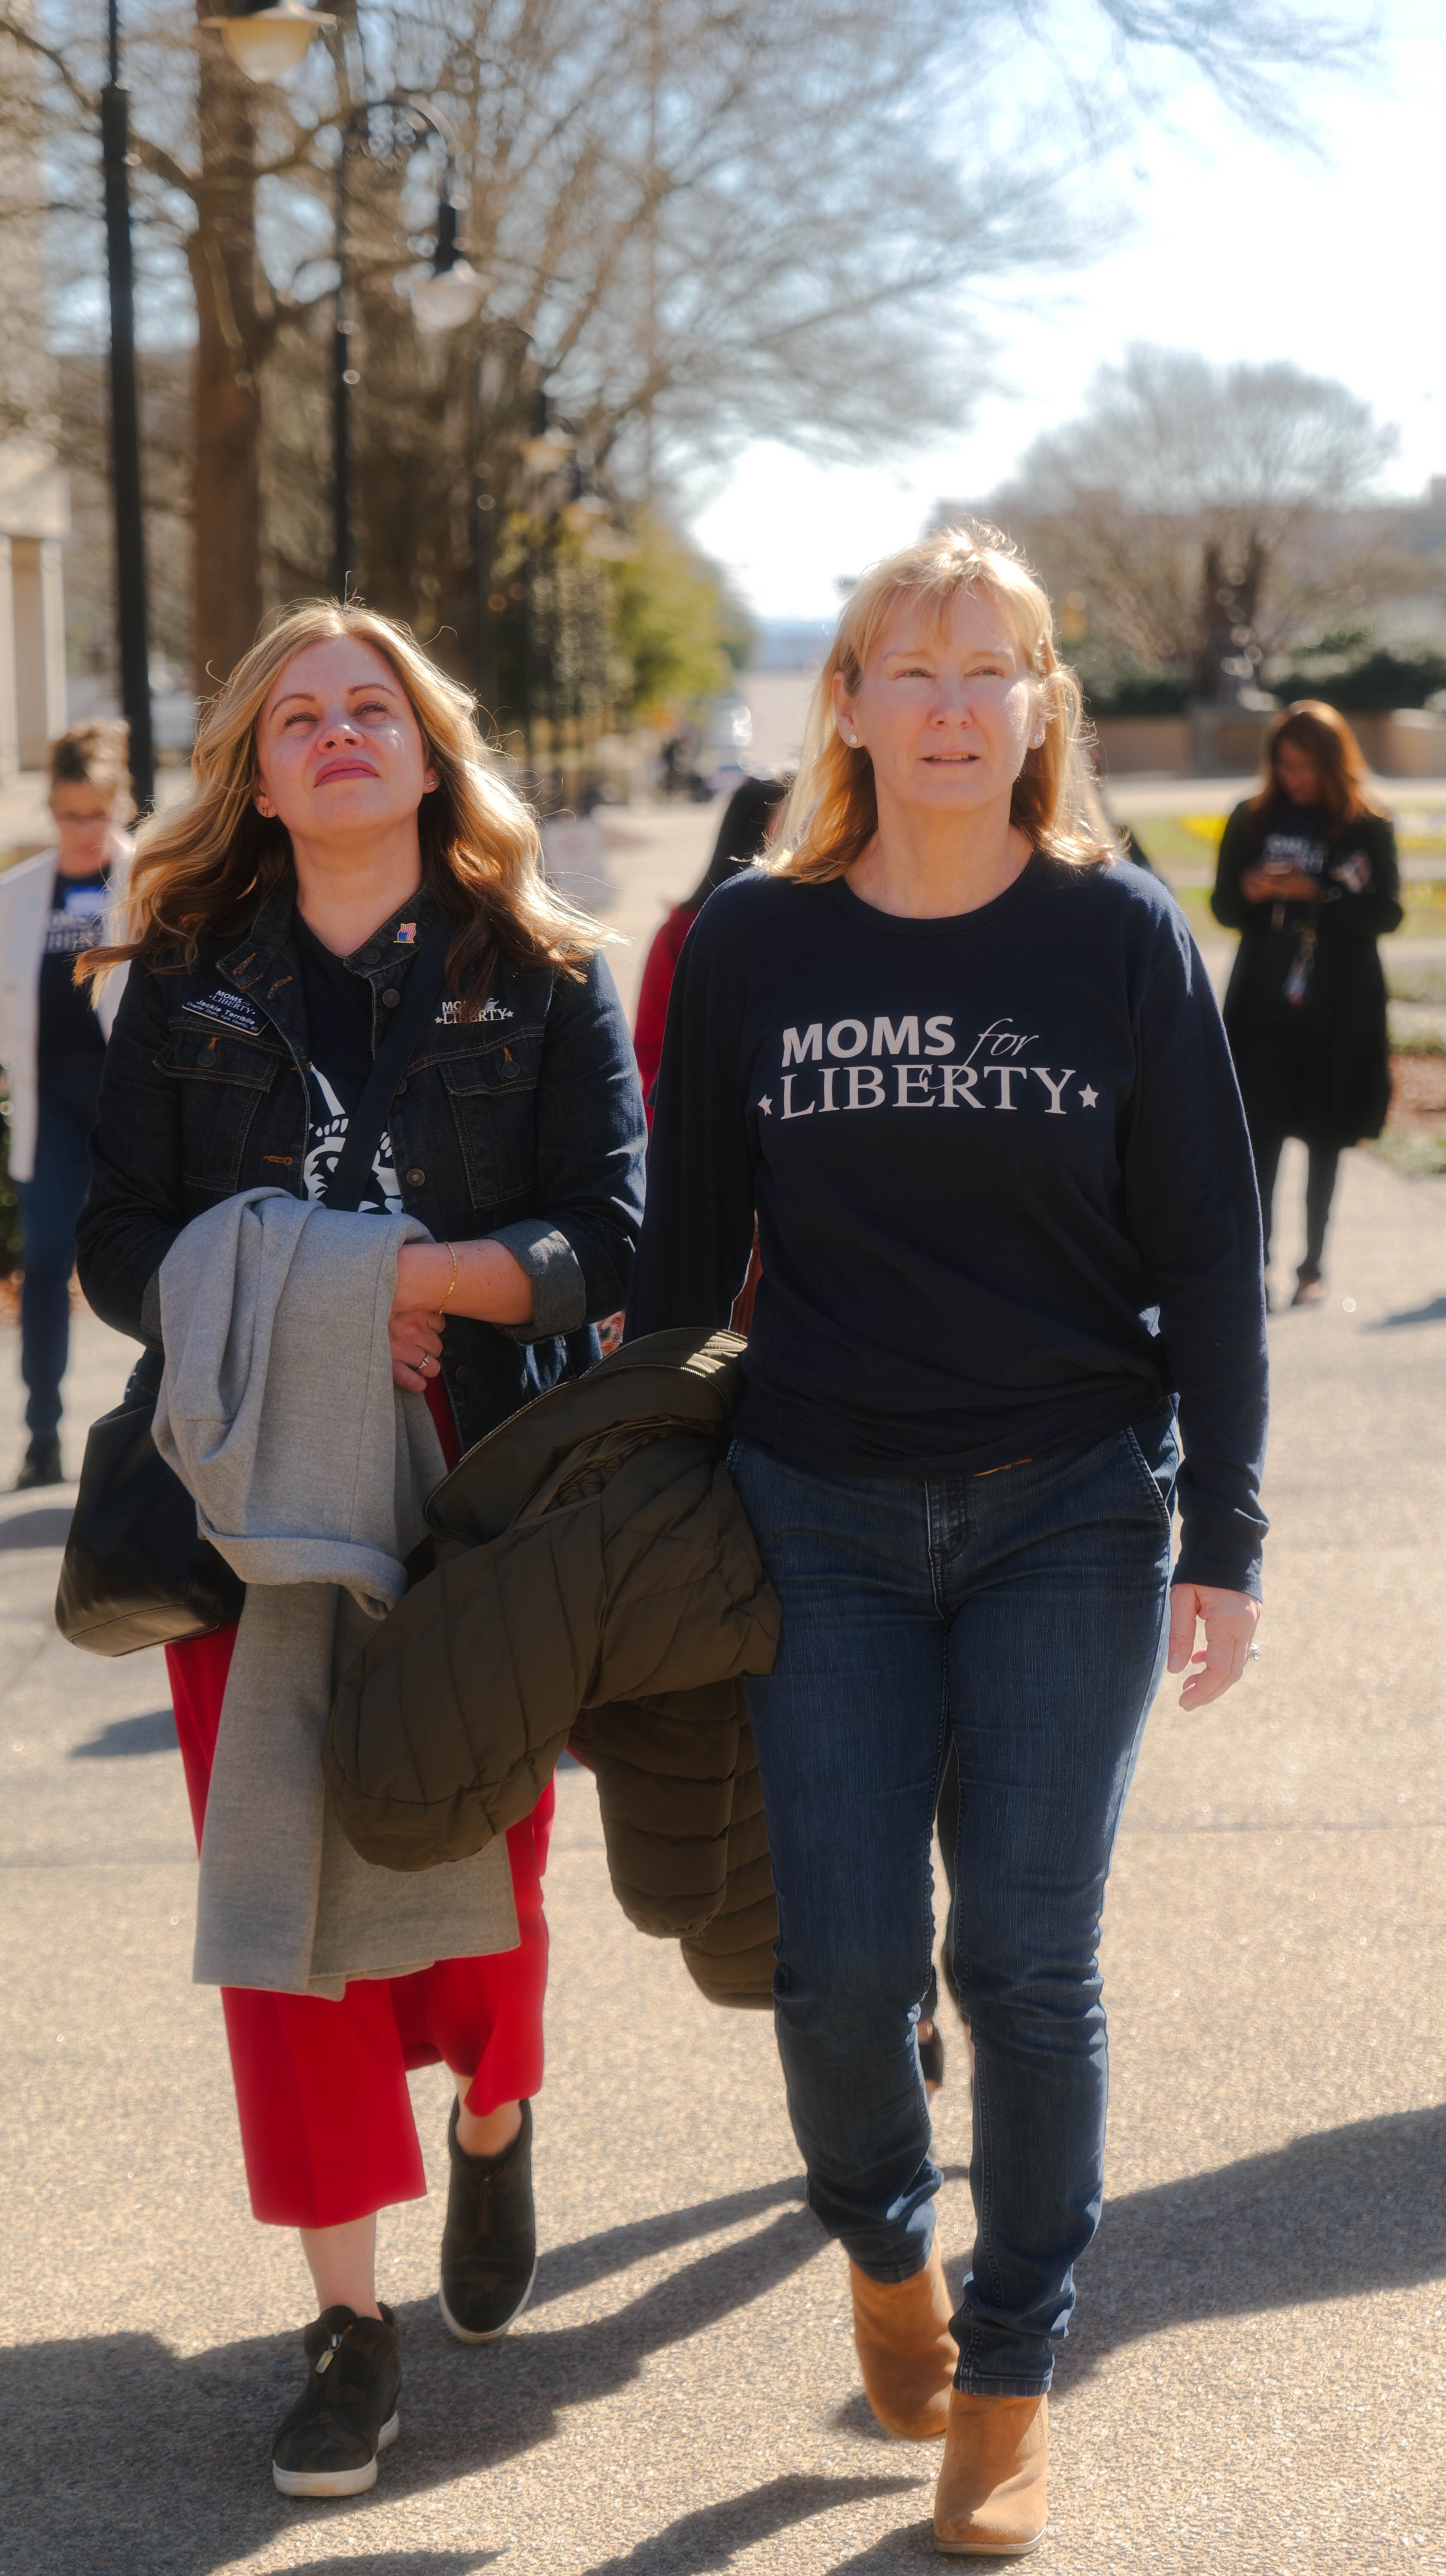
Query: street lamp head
<point x="452" y="292"/>
<point x="268" y="43"/>
<point x="448" y="297"/>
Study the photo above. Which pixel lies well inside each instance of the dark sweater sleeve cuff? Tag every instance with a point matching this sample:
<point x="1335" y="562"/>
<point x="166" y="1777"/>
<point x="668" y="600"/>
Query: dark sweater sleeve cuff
<point x="1197" y="1567"/>
<point x="559" y="1292"/>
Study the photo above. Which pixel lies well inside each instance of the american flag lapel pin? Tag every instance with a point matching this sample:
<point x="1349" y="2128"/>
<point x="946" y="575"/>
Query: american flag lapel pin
<point x="406" y="935"/>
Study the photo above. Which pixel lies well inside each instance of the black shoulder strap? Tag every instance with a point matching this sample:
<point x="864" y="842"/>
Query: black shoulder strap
<point x="367" y="1123"/>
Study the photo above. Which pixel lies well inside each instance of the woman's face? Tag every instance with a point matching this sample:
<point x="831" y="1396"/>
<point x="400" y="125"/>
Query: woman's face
<point x="946" y="714"/>
<point x="83" y="817"/>
<point x="1297" y="773"/>
<point x="338" y="748"/>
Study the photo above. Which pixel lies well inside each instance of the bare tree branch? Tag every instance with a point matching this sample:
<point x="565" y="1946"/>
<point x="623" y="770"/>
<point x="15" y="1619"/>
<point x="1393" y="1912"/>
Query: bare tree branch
<point x="1206" y="514"/>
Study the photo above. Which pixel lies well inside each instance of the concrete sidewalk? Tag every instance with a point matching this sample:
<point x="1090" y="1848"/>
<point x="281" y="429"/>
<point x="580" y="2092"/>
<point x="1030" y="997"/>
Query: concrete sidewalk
<point x="1256" y="2380"/>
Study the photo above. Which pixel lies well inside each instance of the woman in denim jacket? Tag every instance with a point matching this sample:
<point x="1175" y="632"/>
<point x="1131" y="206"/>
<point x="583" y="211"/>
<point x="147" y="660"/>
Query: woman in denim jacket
<point x="342" y="799"/>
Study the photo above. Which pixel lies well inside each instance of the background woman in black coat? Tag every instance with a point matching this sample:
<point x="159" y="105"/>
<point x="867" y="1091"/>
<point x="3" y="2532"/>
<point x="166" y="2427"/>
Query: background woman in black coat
<point x="1308" y="876"/>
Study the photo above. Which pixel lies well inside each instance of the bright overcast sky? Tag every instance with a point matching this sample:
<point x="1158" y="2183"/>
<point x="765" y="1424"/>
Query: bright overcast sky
<point x="1241" y="250"/>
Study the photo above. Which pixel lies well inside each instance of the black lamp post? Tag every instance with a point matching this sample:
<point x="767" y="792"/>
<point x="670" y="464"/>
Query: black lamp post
<point x="449" y="296"/>
<point x="130" y="535"/>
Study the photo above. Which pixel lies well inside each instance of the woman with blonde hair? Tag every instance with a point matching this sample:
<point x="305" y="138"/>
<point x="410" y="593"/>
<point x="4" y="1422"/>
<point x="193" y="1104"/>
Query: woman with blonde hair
<point x="1307" y="874"/>
<point x="347" y="831"/>
<point x="970" y="1074"/>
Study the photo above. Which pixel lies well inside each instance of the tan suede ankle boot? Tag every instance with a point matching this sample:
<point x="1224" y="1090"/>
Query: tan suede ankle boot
<point x="990" y="2499"/>
<point x="906" y="2352"/>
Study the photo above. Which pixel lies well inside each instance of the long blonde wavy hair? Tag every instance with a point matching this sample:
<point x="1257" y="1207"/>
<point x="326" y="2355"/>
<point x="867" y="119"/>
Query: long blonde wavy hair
<point x="833" y="812"/>
<point x="204" y="867"/>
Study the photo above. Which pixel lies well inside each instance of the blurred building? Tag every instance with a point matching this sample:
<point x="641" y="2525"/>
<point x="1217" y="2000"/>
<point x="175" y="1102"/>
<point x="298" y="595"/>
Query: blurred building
<point x="34" y="522"/>
<point x="34" y="502"/>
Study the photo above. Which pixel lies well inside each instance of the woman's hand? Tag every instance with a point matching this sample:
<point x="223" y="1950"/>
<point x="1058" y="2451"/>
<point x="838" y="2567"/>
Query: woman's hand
<point x="1278" y="885"/>
<point x="1230" y="1620"/>
<point x="490" y="1287"/>
<point x="415" y="1336"/>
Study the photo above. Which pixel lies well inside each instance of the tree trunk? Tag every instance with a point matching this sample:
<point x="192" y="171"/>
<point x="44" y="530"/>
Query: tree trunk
<point x="1217" y="616"/>
<point x="1229" y="600"/>
<point x="226" y="493"/>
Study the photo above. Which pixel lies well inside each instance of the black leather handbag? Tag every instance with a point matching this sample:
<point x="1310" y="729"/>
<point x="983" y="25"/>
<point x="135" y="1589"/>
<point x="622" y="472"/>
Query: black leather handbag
<point x="136" y="1571"/>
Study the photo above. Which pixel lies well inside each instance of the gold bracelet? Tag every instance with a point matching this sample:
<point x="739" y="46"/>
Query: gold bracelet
<point x="452" y="1282"/>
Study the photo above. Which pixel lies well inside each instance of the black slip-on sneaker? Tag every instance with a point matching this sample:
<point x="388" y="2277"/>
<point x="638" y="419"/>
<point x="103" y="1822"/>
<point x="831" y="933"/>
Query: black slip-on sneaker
<point x="489" y="2244"/>
<point x="42" y="1466"/>
<point x="347" y="2412"/>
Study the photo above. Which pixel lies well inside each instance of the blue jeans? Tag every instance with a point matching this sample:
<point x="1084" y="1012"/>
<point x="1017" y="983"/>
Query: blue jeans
<point x="1025" y="1613"/>
<point x="50" y="1204"/>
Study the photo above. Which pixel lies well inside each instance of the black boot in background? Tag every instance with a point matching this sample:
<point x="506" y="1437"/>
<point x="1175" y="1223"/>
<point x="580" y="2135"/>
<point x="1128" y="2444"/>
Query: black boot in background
<point x="347" y="2412"/>
<point x="42" y="1466"/>
<point x="489" y="2244"/>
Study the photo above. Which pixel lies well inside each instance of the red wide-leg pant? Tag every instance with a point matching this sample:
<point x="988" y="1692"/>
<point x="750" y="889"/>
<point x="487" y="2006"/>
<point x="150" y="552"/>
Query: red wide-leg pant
<point x="321" y="2088"/>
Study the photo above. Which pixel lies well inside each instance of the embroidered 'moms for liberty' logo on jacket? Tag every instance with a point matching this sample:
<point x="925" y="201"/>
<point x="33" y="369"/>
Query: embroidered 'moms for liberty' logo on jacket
<point x="915" y="1063"/>
<point x="453" y="1014"/>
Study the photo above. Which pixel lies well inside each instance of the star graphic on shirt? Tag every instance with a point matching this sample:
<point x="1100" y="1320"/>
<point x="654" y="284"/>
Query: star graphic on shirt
<point x="766" y="1105"/>
<point x="1089" y="1095"/>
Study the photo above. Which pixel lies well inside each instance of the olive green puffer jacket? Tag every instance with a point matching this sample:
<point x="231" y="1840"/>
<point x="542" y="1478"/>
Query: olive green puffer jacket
<point x="593" y="1571"/>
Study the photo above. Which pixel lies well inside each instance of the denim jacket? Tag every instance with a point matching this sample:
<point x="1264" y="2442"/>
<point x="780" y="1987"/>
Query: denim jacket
<point x="525" y="1125"/>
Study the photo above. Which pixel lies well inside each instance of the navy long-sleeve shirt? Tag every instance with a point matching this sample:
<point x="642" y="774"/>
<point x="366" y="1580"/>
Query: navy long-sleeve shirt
<point x="1003" y="1187"/>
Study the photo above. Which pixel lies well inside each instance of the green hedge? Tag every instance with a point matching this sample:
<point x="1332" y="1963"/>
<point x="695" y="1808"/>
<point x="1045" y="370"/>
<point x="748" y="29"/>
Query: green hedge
<point x="1141" y="693"/>
<point x="1373" y="687"/>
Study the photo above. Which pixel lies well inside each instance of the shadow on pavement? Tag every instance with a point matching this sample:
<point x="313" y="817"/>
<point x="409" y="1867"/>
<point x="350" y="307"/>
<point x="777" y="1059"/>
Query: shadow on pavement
<point x="709" y="2538"/>
<point x="912" y="2545"/>
<point x="857" y="2416"/>
<point x="153" y="1733"/>
<point x="167" y="2458"/>
<point x="47" y="1526"/>
<point x="1435" y="1313"/>
<point x="1331" y="2216"/>
<point x="571" y="2267"/>
<point x="403" y="2562"/>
